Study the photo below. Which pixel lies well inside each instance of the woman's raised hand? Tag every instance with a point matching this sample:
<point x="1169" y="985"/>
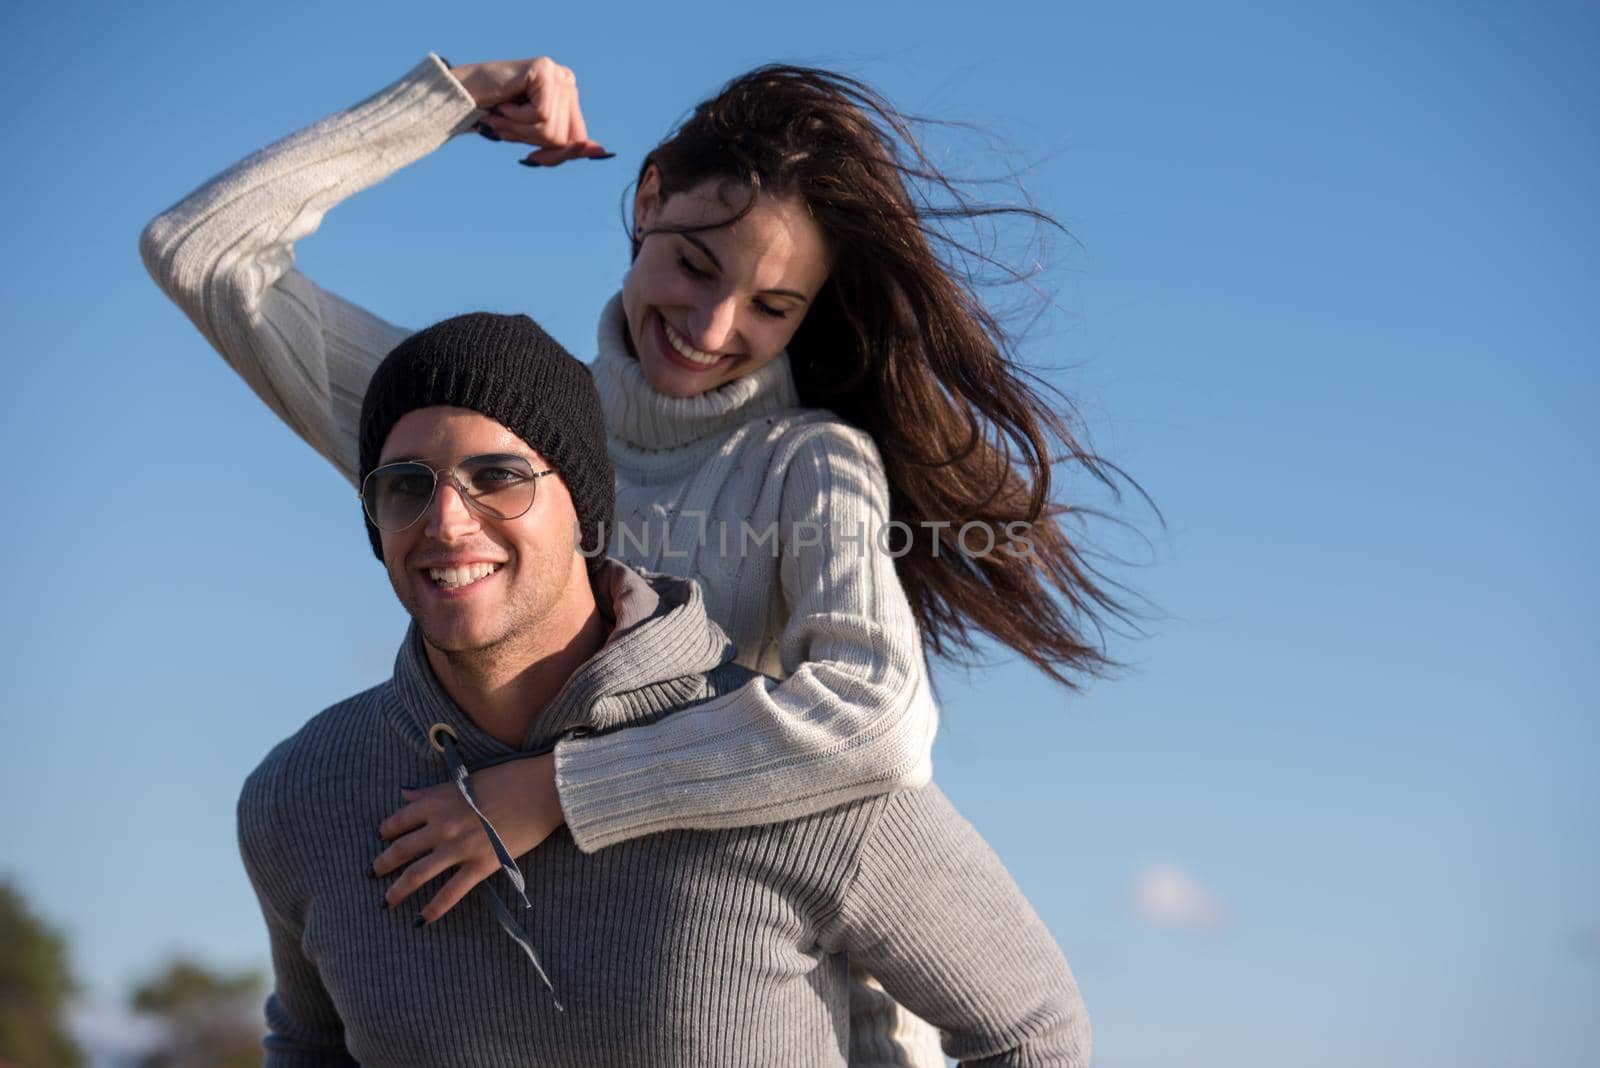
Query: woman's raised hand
<point x="534" y="101"/>
<point x="435" y="831"/>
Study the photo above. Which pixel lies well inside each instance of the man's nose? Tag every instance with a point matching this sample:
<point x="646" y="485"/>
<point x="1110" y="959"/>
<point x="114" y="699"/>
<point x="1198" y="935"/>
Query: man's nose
<point x="449" y="515"/>
<point x="711" y="325"/>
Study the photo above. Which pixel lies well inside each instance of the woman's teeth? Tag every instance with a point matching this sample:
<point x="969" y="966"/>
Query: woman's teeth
<point x="686" y="350"/>
<point x="453" y="578"/>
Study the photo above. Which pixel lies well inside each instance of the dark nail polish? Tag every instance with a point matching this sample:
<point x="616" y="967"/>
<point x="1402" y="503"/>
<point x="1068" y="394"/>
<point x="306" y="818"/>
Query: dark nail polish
<point x="410" y="787"/>
<point x="372" y="873"/>
<point x="530" y="163"/>
<point x="605" y="155"/>
<point x="496" y="111"/>
<point x="383" y="903"/>
<point x="487" y="133"/>
<point x="418" y="922"/>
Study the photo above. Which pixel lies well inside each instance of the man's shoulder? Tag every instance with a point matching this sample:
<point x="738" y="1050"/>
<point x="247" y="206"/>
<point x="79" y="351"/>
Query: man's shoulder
<point x="318" y="751"/>
<point x="894" y="826"/>
<point x="926" y="804"/>
<point x="920" y="828"/>
<point x="909" y="814"/>
<point x="903" y="830"/>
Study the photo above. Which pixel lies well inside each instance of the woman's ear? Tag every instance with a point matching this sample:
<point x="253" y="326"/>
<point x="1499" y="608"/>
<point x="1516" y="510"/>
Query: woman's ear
<point x="646" y="200"/>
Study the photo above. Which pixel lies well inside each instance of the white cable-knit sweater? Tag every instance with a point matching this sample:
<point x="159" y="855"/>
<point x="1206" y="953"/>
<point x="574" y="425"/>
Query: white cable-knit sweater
<point x="852" y="716"/>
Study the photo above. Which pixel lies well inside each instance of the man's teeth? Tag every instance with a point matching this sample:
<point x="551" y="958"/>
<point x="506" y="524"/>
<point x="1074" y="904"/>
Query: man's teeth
<point x="686" y="350"/>
<point x="456" y="577"/>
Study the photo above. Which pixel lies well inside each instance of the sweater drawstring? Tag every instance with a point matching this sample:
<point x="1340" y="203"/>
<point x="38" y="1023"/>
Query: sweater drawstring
<point x="444" y="740"/>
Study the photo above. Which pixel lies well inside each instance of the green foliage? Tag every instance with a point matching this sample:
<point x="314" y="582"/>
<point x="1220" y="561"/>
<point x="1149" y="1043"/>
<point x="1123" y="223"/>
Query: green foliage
<point x="186" y="986"/>
<point x="35" y="985"/>
<point x="212" y="1019"/>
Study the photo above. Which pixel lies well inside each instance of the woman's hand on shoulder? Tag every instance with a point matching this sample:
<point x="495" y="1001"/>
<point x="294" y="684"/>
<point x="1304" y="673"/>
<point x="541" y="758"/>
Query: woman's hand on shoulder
<point x="534" y="101"/>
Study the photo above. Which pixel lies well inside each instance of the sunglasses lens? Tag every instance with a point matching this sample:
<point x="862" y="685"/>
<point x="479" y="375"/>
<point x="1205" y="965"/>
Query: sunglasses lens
<point x="397" y="495"/>
<point x="500" y="485"/>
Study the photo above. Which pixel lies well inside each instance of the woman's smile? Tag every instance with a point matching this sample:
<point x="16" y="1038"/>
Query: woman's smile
<point x="675" y="346"/>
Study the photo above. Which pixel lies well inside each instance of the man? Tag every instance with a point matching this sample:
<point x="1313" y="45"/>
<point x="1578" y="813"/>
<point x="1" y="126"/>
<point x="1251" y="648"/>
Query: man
<point x="483" y="450"/>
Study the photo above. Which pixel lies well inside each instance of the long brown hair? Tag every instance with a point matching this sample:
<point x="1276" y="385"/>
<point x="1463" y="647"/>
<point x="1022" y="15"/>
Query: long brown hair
<point x="899" y="344"/>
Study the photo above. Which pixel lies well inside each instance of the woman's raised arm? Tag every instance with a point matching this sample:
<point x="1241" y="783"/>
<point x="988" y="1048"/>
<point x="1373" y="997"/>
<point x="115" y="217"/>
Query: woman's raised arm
<point x="225" y="253"/>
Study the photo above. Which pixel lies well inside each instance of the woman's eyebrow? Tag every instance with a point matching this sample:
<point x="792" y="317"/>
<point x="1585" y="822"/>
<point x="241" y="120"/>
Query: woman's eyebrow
<point x="705" y="250"/>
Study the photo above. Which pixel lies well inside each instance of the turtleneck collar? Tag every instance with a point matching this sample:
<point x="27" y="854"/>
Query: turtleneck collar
<point x="636" y="415"/>
<point x="660" y="648"/>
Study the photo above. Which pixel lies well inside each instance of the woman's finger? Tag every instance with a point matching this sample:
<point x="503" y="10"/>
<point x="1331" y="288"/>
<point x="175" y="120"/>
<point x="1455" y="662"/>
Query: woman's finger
<point x="550" y="157"/>
<point x="579" y="131"/>
<point x="406" y="849"/>
<point x="407" y="817"/>
<point x="560" y="117"/>
<point x="545" y="93"/>
<point x="523" y="112"/>
<point x="467" y="876"/>
<point x="420" y="872"/>
<point x="537" y="134"/>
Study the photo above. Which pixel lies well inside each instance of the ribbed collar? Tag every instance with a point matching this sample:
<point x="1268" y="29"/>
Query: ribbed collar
<point x="638" y="416"/>
<point x="655" y="659"/>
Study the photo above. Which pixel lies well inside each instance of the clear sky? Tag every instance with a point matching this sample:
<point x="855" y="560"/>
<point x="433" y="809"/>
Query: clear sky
<point x="1331" y="300"/>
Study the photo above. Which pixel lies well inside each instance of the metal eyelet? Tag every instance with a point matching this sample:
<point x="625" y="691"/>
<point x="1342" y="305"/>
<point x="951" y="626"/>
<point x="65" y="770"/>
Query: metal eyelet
<point x="438" y="729"/>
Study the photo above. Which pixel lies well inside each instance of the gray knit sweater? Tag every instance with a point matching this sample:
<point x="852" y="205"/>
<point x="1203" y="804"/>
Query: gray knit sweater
<point x="693" y="948"/>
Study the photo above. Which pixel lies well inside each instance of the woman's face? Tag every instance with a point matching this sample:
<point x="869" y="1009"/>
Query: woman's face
<point x="706" y="307"/>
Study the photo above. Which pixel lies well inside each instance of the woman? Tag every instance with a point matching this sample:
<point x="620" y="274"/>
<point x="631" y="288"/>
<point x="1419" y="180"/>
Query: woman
<point x="787" y="357"/>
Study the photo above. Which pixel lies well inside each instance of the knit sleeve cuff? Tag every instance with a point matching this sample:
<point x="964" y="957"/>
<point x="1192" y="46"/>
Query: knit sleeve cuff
<point x="607" y="791"/>
<point x="434" y="73"/>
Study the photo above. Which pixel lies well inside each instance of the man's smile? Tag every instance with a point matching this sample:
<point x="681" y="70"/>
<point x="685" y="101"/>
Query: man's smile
<point x="454" y="578"/>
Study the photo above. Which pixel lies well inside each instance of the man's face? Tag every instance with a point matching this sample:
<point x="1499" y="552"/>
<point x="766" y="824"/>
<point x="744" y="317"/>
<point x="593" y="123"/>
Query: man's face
<point x="531" y="560"/>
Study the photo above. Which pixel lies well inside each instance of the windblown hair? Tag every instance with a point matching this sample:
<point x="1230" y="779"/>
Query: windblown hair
<point x="899" y="344"/>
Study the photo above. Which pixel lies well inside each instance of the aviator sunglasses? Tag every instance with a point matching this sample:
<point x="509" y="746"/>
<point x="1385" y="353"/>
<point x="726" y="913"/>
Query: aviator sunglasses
<point x="500" y="485"/>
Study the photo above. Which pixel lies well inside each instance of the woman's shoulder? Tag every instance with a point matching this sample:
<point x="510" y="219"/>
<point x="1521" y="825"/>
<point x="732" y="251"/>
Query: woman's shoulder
<point x="821" y="461"/>
<point x="818" y="434"/>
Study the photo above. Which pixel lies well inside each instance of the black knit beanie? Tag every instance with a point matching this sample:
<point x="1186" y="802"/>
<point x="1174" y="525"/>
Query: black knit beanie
<point x="510" y="370"/>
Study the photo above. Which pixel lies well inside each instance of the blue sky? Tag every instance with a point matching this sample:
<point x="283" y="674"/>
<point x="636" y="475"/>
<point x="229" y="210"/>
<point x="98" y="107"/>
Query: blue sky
<point x="1330" y="299"/>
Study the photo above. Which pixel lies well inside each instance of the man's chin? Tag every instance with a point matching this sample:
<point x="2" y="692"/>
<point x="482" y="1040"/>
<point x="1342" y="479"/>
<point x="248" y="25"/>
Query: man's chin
<point x="458" y="633"/>
<point x="457" y="640"/>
